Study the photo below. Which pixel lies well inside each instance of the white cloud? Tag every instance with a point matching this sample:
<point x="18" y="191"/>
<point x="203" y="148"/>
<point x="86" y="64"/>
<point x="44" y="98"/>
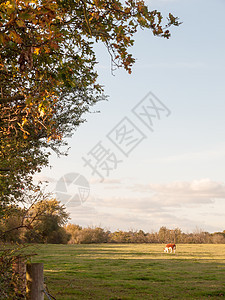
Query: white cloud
<point x="180" y="193"/>
<point x="131" y="218"/>
<point x="180" y="204"/>
<point x="157" y="197"/>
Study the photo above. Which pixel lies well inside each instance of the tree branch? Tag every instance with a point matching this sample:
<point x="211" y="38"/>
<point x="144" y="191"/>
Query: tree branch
<point x="11" y="99"/>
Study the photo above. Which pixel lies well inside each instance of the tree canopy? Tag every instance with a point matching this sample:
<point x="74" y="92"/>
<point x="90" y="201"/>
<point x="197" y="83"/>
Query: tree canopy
<point x="42" y="222"/>
<point x="47" y="73"/>
<point x="47" y="218"/>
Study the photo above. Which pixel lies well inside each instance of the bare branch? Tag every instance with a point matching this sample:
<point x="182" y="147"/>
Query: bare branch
<point x="11" y="99"/>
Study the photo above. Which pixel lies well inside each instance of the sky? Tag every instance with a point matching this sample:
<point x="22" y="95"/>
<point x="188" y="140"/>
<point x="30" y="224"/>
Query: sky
<point x="155" y="153"/>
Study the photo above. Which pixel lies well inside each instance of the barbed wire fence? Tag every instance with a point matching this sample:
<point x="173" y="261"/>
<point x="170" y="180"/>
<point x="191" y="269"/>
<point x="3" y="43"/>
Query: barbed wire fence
<point x="47" y="293"/>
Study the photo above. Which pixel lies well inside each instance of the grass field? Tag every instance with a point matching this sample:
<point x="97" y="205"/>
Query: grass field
<point x="127" y="271"/>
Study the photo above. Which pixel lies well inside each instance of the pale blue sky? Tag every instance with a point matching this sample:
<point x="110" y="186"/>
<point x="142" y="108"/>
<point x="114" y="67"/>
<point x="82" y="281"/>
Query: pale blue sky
<point x="175" y="177"/>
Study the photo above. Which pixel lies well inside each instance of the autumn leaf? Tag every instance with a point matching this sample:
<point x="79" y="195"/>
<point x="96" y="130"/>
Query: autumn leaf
<point x="36" y="50"/>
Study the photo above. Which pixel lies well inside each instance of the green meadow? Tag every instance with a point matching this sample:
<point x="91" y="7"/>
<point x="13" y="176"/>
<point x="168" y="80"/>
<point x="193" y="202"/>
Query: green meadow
<point x="133" y="271"/>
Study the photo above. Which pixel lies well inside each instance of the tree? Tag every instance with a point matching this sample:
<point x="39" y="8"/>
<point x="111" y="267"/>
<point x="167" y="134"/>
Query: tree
<point x="47" y="219"/>
<point x="39" y="220"/>
<point x="11" y="224"/>
<point x="120" y="237"/>
<point x="74" y="231"/>
<point x="79" y="235"/>
<point x="47" y="73"/>
<point x="163" y="234"/>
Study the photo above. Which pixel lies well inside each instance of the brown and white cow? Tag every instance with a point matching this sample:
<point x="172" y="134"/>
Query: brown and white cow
<point x="170" y="248"/>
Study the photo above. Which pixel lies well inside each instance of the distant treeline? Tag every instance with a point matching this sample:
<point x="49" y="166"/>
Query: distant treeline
<point x="79" y="235"/>
<point x="47" y="222"/>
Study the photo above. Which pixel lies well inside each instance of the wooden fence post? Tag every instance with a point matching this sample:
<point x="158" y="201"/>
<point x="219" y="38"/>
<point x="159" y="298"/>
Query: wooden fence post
<point x="35" y="281"/>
